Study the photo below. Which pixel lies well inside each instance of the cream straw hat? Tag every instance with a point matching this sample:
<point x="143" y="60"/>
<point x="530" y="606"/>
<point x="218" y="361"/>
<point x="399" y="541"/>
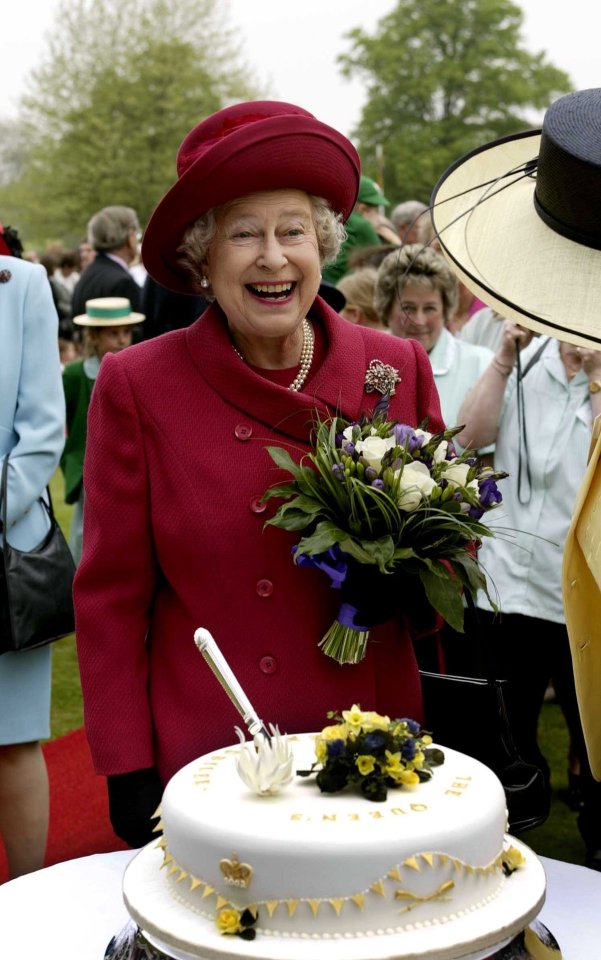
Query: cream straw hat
<point x="108" y="312"/>
<point x="519" y="220"/>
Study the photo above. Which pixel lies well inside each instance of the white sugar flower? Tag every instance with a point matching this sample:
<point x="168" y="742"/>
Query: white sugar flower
<point x="265" y="765"/>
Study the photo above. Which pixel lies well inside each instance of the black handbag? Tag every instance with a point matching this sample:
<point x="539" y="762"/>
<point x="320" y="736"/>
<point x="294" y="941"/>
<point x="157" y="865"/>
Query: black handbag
<point x="36" y="603"/>
<point x="469" y="714"/>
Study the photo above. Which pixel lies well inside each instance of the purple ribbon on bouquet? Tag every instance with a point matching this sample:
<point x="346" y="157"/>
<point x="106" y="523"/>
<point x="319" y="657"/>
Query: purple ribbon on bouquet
<point x="333" y="563"/>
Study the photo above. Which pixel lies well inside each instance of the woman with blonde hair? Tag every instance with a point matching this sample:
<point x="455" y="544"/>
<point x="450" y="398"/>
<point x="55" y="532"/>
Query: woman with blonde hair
<point x="358" y="288"/>
<point x="415" y="297"/>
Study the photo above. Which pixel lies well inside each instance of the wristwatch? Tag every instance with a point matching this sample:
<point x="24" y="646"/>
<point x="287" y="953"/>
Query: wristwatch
<point x="594" y="386"/>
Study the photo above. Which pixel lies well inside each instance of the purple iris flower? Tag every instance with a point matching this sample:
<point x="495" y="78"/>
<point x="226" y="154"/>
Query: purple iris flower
<point x="349" y="448"/>
<point x="408" y="750"/>
<point x="489" y="493"/>
<point x="335" y="748"/>
<point x="406" y="437"/>
<point x="378" y="484"/>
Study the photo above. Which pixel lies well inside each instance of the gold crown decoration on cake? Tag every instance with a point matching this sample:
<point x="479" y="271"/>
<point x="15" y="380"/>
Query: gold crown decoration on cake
<point x="236" y="874"/>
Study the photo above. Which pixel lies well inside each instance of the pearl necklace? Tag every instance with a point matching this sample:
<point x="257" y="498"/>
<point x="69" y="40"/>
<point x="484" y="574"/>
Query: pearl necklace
<point x="306" y="357"/>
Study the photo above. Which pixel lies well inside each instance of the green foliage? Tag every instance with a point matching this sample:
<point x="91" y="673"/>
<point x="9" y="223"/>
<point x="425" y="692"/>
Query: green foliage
<point x="443" y="78"/>
<point x="121" y="86"/>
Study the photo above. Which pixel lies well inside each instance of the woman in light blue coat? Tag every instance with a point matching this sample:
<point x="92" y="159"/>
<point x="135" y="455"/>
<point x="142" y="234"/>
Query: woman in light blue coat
<point x="32" y="419"/>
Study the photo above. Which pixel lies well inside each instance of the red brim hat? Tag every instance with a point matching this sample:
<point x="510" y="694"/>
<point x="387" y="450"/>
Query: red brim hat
<point x="261" y="145"/>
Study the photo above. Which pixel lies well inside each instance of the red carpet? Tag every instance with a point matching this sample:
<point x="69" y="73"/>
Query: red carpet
<point x="79" y="822"/>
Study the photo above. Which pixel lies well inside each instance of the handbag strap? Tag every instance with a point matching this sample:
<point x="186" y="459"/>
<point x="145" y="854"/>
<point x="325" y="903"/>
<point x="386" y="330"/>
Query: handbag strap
<point x="48" y="506"/>
<point x="487" y="660"/>
<point x="524" y="495"/>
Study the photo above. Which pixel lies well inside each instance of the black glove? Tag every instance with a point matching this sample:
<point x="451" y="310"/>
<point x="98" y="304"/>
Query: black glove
<point x="379" y="597"/>
<point x="133" y="799"/>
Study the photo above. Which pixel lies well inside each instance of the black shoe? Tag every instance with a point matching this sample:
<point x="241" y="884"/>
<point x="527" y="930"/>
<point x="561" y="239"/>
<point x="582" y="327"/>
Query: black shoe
<point x="593" y="860"/>
<point x="573" y="795"/>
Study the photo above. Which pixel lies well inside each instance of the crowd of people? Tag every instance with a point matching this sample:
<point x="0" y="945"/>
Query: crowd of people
<point x="171" y="533"/>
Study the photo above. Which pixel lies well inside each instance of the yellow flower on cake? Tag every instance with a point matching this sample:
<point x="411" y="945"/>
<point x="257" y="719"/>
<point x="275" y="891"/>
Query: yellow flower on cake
<point x="408" y="778"/>
<point x="393" y="765"/>
<point x="365" y="764"/>
<point x="418" y="760"/>
<point x="354" y="718"/>
<point x="228" y="921"/>
<point x="511" y="860"/>
<point x="374" y="721"/>
<point x="338" y="731"/>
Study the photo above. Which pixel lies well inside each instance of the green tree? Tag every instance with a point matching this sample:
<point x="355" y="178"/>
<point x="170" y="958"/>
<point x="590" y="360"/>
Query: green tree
<point x="443" y="78"/>
<point x="121" y="86"/>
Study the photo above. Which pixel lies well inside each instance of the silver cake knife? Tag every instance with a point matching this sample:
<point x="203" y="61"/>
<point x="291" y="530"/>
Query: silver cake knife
<point x="212" y="654"/>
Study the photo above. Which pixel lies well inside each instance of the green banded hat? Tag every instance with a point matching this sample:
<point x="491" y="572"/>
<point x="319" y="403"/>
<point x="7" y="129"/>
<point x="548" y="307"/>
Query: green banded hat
<point x="108" y="312"/>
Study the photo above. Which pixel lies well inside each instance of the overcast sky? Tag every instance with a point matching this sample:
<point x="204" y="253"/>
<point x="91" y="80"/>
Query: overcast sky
<point x="292" y="46"/>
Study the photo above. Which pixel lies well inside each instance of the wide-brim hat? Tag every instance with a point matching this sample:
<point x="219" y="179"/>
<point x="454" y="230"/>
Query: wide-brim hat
<point x="518" y="219"/>
<point x="108" y="312"/>
<point x="260" y="145"/>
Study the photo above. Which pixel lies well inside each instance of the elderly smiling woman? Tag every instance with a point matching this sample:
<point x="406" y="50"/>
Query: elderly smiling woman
<point x="176" y="463"/>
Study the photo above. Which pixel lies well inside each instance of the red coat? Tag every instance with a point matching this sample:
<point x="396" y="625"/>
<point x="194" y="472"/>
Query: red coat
<point x="174" y="539"/>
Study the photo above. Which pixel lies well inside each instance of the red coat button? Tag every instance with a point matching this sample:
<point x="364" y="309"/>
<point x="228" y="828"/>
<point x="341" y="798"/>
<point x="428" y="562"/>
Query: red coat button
<point x="243" y="431"/>
<point x="268" y="664"/>
<point x="264" y="588"/>
<point x="257" y="505"/>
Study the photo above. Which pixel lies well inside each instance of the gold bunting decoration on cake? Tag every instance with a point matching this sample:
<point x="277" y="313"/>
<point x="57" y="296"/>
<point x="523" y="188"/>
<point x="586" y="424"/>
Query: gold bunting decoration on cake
<point x="233" y="870"/>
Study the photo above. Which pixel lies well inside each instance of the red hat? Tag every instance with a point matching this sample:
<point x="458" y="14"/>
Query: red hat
<point x="261" y="145"/>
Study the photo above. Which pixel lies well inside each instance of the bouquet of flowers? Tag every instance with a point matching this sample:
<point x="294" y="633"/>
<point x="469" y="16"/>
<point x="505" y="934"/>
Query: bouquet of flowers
<point x="391" y="500"/>
<point x="374" y="752"/>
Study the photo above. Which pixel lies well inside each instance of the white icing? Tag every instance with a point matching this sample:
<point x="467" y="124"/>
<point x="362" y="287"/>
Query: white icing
<point x="305" y="846"/>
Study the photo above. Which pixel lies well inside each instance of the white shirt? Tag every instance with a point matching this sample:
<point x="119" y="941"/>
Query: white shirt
<point x="523" y="564"/>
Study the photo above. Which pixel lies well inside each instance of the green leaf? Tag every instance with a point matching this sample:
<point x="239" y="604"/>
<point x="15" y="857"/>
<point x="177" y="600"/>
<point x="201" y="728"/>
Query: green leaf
<point x="445" y="595"/>
<point x="284" y="461"/>
<point x="280" y="490"/>
<point x="325" y="535"/>
<point x="381" y="552"/>
<point x="289" y="519"/>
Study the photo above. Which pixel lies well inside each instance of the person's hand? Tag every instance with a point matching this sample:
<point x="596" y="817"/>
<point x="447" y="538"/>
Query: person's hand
<point x="379" y="597"/>
<point x="591" y="362"/>
<point x="133" y="799"/>
<point x="514" y="338"/>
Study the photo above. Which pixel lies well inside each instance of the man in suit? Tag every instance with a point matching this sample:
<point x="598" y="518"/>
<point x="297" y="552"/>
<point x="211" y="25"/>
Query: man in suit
<point x="113" y="233"/>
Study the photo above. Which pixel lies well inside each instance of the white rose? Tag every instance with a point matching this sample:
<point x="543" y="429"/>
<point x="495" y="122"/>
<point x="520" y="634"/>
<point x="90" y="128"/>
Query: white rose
<point x="415" y="484"/>
<point x="372" y="449"/>
<point x="456" y="473"/>
<point x="441" y="451"/>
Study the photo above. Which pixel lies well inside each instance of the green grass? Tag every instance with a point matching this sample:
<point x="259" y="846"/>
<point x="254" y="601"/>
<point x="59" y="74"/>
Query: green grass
<point x="557" y="838"/>
<point x="66" y="712"/>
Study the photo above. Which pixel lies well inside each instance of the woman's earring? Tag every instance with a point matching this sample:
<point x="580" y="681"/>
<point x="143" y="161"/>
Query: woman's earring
<point x="204" y="283"/>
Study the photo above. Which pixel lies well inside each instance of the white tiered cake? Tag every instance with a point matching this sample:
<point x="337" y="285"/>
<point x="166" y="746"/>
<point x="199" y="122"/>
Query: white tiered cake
<point x="420" y="874"/>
